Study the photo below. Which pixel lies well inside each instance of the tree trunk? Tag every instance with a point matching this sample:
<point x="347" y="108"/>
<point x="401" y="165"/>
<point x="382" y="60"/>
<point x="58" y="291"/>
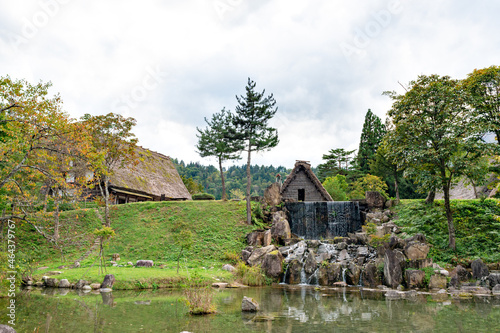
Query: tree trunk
<point x="56" y="217"/>
<point x="475" y="189"/>
<point x="106" y="201"/>
<point x="396" y="185"/>
<point x="449" y="217"/>
<point x="430" y="197"/>
<point x="224" y="196"/>
<point x="249" y="184"/>
<point x="179" y="258"/>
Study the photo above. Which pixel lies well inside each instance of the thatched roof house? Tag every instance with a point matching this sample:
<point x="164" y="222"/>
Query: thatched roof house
<point x="303" y="185"/>
<point x="154" y="178"/>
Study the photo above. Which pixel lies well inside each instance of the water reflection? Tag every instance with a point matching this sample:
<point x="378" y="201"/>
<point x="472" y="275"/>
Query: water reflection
<point x="283" y="309"/>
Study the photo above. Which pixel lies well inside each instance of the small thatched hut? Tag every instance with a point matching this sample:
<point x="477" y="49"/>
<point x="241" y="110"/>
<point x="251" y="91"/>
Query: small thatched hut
<point x="153" y="178"/>
<point x="303" y="185"/>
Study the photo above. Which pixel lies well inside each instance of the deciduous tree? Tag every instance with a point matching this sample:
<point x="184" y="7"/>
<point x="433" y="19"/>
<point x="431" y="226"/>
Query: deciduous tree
<point x="431" y="135"/>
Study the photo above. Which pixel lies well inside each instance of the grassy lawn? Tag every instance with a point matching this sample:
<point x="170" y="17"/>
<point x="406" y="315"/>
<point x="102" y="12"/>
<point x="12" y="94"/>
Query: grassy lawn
<point x="142" y="231"/>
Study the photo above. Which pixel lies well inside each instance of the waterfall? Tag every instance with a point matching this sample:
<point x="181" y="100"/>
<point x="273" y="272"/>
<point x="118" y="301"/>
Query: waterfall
<point x="343" y="275"/>
<point x="284" y="275"/>
<point x="326" y="219"/>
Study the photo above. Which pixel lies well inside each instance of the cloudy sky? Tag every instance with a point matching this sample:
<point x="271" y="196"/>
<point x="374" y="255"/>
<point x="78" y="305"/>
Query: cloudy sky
<point x="169" y="64"/>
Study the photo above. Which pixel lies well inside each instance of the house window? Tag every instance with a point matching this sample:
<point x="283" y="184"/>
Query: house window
<point x="302" y="194"/>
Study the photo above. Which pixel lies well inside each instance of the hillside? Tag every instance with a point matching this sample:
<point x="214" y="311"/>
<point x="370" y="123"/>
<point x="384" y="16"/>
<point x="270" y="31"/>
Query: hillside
<point x="144" y="231"/>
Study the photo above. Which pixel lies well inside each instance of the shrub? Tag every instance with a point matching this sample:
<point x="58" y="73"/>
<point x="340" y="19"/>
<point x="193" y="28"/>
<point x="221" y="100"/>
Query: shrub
<point x="203" y="196"/>
<point x="199" y="300"/>
<point x="250" y="275"/>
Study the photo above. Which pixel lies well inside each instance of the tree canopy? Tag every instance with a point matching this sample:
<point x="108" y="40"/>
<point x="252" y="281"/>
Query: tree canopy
<point x="371" y="137"/>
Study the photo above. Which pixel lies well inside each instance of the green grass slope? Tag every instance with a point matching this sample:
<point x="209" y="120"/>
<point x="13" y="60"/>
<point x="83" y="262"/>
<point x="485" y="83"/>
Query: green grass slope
<point x="477" y="224"/>
<point x="144" y="231"/>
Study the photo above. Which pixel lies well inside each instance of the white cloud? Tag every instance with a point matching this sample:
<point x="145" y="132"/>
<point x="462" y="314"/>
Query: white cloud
<point x="95" y="53"/>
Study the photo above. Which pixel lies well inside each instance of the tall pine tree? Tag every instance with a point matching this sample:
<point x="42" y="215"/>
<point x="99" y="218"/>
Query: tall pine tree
<point x="371" y="136"/>
<point x="215" y="141"/>
<point x="253" y="113"/>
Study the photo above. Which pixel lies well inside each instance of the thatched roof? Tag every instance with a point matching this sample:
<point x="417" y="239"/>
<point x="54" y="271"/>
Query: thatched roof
<point x="306" y="168"/>
<point x="153" y="175"/>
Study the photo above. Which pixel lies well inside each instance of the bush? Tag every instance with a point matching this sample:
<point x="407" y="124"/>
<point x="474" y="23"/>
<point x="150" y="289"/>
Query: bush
<point x="203" y="196"/>
<point x="250" y="275"/>
<point x="337" y="187"/>
<point x="199" y="300"/>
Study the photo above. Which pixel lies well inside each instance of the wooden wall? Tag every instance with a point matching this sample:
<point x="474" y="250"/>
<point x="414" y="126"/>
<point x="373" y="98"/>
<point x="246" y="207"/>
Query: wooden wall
<point x="301" y="181"/>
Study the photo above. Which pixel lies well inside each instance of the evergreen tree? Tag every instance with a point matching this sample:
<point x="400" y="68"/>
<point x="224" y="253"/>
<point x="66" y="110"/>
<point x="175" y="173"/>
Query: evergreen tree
<point x="337" y="161"/>
<point x="253" y="113"/>
<point x="215" y="141"/>
<point x="371" y="136"/>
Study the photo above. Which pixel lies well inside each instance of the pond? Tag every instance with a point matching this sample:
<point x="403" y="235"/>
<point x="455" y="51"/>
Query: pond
<point x="283" y="309"/>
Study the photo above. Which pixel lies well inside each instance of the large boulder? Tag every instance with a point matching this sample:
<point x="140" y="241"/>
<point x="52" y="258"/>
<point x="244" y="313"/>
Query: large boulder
<point x="246" y="253"/>
<point x="51" y="282"/>
<point x="374" y="199"/>
<point x="493" y="279"/>
<point x="64" y="283"/>
<point x="370" y="277"/>
<point x="258" y="254"/>
<point x="144" y="263"/>
<point x="259" y="238"/>
<point x="459" y="275"/>
<point x="393" y="267"/>
<point x="249" y="305"/>
<point x="293" y="270"/>
<point x="272" y="194"/>
<point x="272" y="264"/>
<point x="6" y="329"/>
<point x="437" y="282"/>
<point x="352" y="274"/>
<point x="330" y="273"/>
<point x="416" y="250"/>
<point x="80" y="284"/>
<point x="310" y="263"/>
<point x="280" y="230"/>
<point x="479" y="269"/>
<point x="108" y="281"/>
<point x="414" y="278"/>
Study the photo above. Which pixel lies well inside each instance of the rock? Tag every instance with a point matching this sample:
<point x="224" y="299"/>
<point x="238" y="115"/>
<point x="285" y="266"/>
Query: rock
<point x="419" y="264"/>
<point x="479" y="269"/>
<point x="293" y="270"/>
<point x="310" y="263"/>
<point x="414" y="278"/>
<point x="105" y="290"/>
<point x="51" y="282"/>
<point x="390" y="227"/>
<point x="112" y="262"/>
<point x="259" y="238"/>
<point x="249" y="305"/>
<point x="258" y="254"/>
<point x="437" y="282"/>
<point x="280" y="230"/>
<point x="87" y="288"/>
<point x="116" y="257"/>
<point x="76" y="264"/>
<point x="361" y="238"/>
<point x="341" y="246"/>
<point x="370" y="276"/>
<point x="459" y="275"/>
<point x="475" y="290"/>
<point x="493" y="279"/>
<point x="352" y="274"/>
<point x="496" y="290"/>
<point x="236" y="285"/>
<point x="416" y="250"/>
<point x="95" y="286"/>
<point x="394" y="294"/>
<point x="393" y="270"/>
<point x="363" y="251"/>
<point x="245" y="255"/>
<point x="343" y="256"/>
<point x="64" y="283"/>
<point x="144" y="263"/>
<point x="80" y="283"/>
<point x="329" y="274"/>
<point x="54" y="273"/>
<point x="272" y="264"/>
<point x="130" y="263"/>
<point x="229" y="268"/>
<point x="374" y="199"/>
<point x="272" y="194"/>
<point x="220" y="285"/>
<point x="443" y="272"/>
<point x="6" y="329"/>
<point x="108" y="281"/>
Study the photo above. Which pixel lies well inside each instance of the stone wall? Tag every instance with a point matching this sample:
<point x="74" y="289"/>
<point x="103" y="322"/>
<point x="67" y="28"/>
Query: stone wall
<point x="301" y="181"/>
